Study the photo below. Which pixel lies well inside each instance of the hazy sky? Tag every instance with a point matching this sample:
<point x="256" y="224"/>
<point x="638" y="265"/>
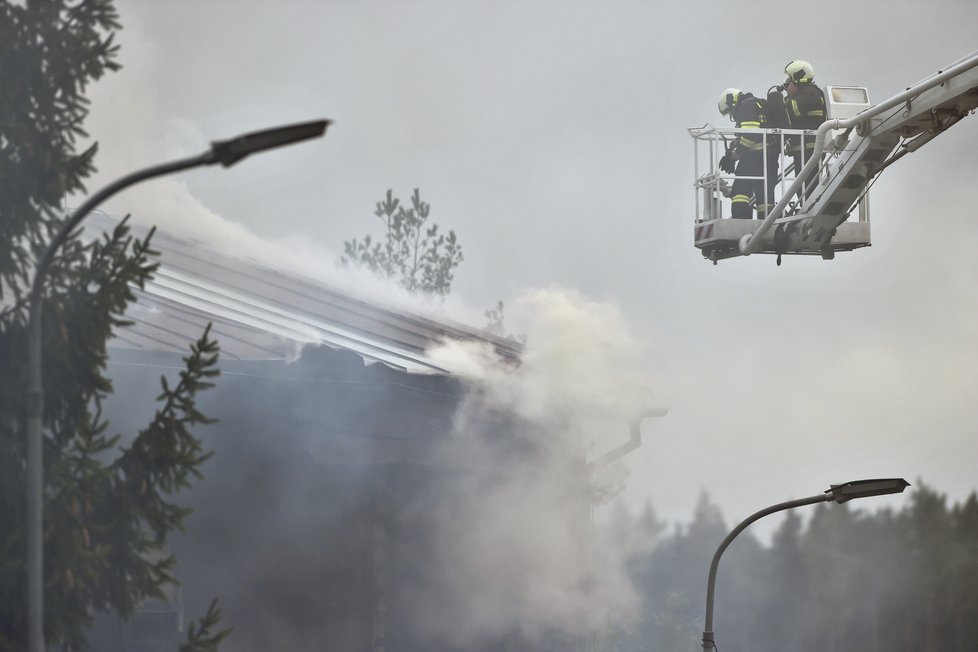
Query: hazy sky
<point x="551" y="136"/>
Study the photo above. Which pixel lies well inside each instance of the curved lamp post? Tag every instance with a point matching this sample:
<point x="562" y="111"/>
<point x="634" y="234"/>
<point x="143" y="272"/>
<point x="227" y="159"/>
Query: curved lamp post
<point x="226" y="153"/>
<point x="839" y="493"/>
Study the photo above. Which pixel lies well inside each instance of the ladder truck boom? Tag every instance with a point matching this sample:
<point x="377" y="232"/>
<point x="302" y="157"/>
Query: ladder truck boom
<point x="846" y="164"/>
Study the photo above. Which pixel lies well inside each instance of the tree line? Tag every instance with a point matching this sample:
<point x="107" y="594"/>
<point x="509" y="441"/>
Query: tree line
<point x="837" y="579"/>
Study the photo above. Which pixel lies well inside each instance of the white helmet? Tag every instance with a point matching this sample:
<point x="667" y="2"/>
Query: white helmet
<point x="728" y="100"/>
<point x="799" y="71"/>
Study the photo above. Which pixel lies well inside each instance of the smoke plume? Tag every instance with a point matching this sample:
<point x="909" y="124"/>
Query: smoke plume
<point x="515" y="550"/>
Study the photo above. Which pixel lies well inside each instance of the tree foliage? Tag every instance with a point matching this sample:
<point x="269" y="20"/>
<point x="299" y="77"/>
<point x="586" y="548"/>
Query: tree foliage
<point x="496" y="324"/>
<point x="201" y="636"/>
<point x="413" y="254"/>
<point x="832" y="579"/>
<point x="108" y="501"/>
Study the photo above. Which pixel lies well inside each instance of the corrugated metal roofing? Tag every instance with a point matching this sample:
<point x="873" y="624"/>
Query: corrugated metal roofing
<point x="261" y="313"/>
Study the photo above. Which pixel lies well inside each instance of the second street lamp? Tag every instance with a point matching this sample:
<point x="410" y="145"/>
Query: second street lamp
<point x="226" y="153"/>
<point x="839" y="493"/>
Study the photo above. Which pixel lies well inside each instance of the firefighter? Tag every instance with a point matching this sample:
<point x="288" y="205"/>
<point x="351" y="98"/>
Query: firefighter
<point x="745" y="155"/>
<point x="805" y="107"/>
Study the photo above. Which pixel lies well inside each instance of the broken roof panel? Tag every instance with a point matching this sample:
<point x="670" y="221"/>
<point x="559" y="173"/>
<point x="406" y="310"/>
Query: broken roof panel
<point x="261" y="313"/>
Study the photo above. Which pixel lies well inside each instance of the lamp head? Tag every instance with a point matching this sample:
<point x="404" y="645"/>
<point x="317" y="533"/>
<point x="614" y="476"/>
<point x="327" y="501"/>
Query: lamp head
<point x="841" y="493"/>
<point x="229" y="152"/>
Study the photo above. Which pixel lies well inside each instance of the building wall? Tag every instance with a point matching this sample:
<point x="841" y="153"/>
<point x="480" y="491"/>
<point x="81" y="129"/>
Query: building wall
<point x="314" y="519"/>
<point x="290" y="523"/>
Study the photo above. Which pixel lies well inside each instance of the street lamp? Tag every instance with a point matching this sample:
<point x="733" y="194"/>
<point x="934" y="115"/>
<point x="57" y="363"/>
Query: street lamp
<point x="839" y="493"/>
<point x="225" y="152"/>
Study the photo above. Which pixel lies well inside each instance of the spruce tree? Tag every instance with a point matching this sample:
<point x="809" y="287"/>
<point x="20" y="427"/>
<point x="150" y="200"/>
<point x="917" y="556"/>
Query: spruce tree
<point x="109" y="502"/>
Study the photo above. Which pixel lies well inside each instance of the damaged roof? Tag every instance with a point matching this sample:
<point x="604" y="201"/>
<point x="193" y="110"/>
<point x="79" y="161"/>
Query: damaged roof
<point x="260" y="313"/>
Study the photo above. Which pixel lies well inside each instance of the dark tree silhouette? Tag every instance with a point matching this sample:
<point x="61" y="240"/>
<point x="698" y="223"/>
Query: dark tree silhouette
<point x="108" y="501"/>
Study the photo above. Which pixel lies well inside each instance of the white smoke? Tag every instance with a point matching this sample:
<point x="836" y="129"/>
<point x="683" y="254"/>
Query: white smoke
<point x="133" y="132"/>
<point x="514" y="548"/>
<point x="516" y="551"/>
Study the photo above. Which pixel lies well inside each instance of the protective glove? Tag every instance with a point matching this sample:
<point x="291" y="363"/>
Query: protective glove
<point x="727" y="164"/>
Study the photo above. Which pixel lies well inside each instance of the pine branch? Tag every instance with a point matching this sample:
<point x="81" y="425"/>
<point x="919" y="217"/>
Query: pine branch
<point x="200" y="637"/>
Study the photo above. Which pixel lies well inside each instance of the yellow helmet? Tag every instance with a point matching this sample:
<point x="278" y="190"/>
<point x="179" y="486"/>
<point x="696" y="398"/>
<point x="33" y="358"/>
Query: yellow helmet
<point x="799" y="71"/>
<point x="728" y="100"/>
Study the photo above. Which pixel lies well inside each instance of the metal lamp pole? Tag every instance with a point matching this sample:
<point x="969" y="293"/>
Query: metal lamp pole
<point x="227" y="153"/>
<point x="839" y="493"/>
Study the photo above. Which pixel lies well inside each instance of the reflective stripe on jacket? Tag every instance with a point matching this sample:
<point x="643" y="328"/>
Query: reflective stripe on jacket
<point x="749" y="114"/>
<point x="806" y="110"/>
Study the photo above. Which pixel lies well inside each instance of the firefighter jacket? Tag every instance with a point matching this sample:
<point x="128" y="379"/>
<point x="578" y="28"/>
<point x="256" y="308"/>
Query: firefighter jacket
<point x="749" y="114"/>
<point x="806" y="110"/>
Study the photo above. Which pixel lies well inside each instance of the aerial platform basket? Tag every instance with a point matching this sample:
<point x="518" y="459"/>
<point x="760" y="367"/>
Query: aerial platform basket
<point x="824" y="206"/>
<point x="718" y="236"/>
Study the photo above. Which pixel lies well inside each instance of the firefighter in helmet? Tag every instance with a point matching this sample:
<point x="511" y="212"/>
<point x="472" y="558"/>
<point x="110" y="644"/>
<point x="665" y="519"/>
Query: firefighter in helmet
<point x="805" y="106"/>
<point x="745" y="155"/>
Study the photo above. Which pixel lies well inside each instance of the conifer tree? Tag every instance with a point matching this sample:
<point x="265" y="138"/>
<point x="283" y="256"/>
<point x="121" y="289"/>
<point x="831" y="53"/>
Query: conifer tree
<point x="108" y="501"/>
<point x="410" y="252"/>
